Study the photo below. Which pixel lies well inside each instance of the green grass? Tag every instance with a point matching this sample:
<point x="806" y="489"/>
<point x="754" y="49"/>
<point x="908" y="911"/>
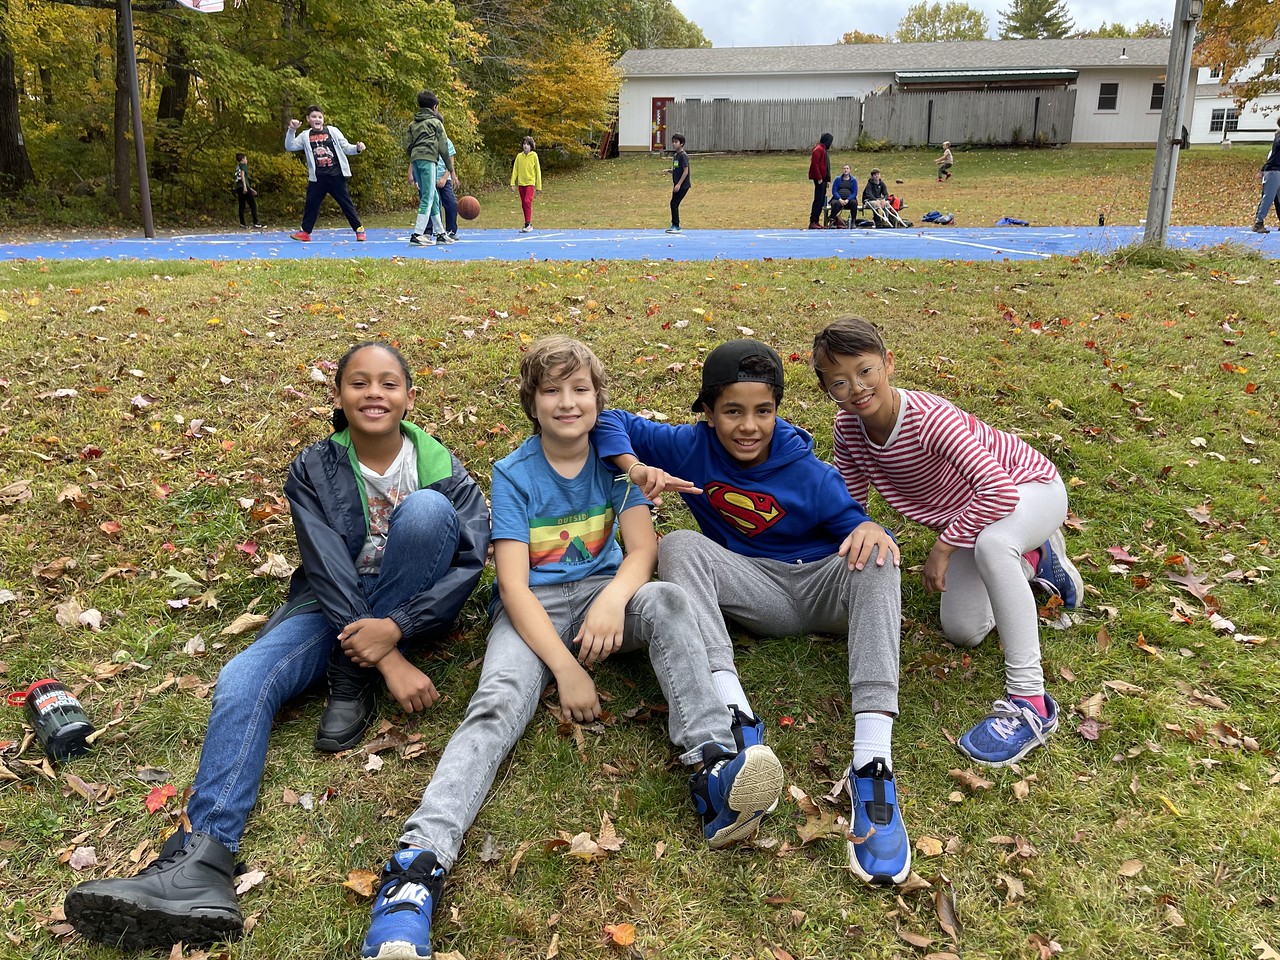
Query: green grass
<point x="1135" y="379"/>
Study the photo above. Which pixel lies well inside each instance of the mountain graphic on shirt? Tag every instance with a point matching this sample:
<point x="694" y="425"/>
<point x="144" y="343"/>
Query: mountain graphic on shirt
<point x="577" y="538"/>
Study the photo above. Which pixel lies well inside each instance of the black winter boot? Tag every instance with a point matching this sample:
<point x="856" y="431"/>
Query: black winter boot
<point x="353" y="699"/>
<point x="185" y="895"/>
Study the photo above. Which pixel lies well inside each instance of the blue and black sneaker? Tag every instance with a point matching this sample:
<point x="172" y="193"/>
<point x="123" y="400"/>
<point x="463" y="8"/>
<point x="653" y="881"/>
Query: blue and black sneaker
<point x="1057" y="574"/>
<point x="879" y="852"/>
<point x="408" y="889"/>
<point x="733" y="791"/>
<point x="1009" y="732"/>
<point x="748" y="731"/>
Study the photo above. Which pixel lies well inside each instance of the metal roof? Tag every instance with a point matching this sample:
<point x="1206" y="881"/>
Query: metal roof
<point x="882" y="57"/>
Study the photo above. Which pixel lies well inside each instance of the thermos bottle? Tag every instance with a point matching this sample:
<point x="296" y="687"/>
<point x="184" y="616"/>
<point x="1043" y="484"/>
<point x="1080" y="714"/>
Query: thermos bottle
<point x="57" y="717"/>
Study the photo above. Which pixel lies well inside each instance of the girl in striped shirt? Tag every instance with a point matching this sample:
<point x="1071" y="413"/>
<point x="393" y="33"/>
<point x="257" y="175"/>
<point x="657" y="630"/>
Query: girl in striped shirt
<point x="997" y="504"/>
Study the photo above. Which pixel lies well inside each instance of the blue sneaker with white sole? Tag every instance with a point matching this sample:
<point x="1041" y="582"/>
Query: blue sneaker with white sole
<point x="879" y="851"/>
<point x="733" y="791"/>
<point x="748" y="731"/>
<point x="1057" y="574"/>
<point x="408" y="889"/>
<point x="1009" y="732"/>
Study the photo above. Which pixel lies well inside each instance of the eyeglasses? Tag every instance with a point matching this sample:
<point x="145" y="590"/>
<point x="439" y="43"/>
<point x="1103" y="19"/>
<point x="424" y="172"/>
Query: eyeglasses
<point x="867" y="379"/>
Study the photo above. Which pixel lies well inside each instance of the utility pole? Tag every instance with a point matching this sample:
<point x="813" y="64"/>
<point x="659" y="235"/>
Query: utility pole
<point x="1172" y="118"/>
<point x="135" y="101"/>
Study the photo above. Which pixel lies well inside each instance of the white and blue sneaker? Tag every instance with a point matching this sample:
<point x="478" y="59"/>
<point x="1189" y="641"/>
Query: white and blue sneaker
<point x="733" y="791"/>
<point x="408" y="889"/>
<point x="1056" y="573"/>
<point x="879" y="851"/>
<point x="1009" y="732"/>
<point x="748" y="731"/>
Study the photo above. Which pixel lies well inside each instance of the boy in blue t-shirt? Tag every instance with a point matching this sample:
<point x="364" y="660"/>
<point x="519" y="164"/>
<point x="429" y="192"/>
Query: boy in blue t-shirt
<point x="784" y="550"/>
<point x="567" y="598"/>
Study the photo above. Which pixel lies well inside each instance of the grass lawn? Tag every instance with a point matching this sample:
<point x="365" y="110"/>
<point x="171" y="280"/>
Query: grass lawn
<point x="148" y="413"/>
<point x="1046" y="187"/>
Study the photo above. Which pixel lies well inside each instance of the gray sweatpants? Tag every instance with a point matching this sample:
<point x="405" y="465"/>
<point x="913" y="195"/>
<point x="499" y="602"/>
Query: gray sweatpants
<point x="512" y="679"/>
<point x="987" y="585"/>
<point x="775" y="599"/>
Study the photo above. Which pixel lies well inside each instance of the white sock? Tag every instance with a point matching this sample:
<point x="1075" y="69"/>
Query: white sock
<point x="872" y="737"/>
<point x="730" y="689"/>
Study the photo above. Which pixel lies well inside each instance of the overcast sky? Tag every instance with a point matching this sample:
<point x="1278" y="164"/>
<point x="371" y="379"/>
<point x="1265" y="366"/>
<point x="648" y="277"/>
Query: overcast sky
<point x="765" y="23"/>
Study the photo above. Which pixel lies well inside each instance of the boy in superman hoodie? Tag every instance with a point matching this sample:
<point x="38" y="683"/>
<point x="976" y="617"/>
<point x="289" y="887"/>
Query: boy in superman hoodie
<point x="783" y="550"/>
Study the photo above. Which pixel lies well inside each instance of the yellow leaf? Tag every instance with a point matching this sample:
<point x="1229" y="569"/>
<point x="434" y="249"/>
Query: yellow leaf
<point x="623" y="934"/>
<point x="1171" y="806"/>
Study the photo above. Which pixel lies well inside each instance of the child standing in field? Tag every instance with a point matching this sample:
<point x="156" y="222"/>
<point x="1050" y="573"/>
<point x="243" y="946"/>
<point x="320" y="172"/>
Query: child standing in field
<point x="679" y="179"/>
<point x="526" y="178"/>
<point x="393" y="533"/>
<point x="567" y="597"/>
<point x="997" y="504"/>
<point x="244" y="191"/>
<point x="326" y="151"/>
<point x="944" y="162"/>
<point x="783" y="551"/>
<point x="427" y="146"/>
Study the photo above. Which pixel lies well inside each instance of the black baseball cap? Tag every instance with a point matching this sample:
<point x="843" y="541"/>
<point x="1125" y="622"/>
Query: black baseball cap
<point x="723" y="366"/>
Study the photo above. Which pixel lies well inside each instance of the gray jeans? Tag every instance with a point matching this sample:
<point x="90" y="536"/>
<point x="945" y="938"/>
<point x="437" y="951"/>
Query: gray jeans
<point x="511" y="683"/>
<point x="777" y="599"/>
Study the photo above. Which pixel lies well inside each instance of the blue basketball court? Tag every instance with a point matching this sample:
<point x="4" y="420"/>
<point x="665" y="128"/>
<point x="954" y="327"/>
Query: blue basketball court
<point x="917" y="243"/>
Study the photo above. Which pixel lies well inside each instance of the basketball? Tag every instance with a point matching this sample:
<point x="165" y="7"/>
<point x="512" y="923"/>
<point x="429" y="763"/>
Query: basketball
<point x="468" y="208"/>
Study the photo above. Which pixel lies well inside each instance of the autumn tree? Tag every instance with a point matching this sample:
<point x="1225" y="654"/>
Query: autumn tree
<point x="15" y="165"/>
<point x="1143" y="30"/>
<point x="925" y="22"/>
<point x="566" y="91"/>
<point x="1035" y="20"/>
<point x="857" y="36"/>
<point x="1234" y="32"/>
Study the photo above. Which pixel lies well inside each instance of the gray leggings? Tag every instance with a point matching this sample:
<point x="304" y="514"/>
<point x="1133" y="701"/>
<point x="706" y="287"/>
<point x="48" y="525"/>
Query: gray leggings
<point x="987" y="585"/>
<point x="511" y="684"/>
<point x="777" y="599"/>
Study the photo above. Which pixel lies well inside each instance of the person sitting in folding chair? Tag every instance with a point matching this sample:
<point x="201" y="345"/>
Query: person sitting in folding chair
<point x="875" y="199"/>
<point x="844" y="199"/>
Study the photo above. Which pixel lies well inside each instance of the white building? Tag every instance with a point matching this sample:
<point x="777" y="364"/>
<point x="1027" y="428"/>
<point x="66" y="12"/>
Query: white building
<point x="1216" y="117"/>
<point x="1119" y="83"/>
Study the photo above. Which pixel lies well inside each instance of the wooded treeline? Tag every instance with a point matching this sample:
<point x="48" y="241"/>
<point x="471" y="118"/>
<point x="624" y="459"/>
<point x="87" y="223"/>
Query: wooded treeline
<point x="215" y="84"/>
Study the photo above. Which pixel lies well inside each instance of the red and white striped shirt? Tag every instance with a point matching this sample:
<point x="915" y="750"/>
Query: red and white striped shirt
<point x="940" y="467"/>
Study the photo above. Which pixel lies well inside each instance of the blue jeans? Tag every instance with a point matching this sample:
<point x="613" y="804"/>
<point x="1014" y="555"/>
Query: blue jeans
<point x="282" y="663"/>
<point x="1270" y="187"/>
<point x="512" y="679"/>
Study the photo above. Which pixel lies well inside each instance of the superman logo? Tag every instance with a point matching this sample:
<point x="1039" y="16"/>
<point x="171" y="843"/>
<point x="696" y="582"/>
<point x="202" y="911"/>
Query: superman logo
<point x="748" y="512"/>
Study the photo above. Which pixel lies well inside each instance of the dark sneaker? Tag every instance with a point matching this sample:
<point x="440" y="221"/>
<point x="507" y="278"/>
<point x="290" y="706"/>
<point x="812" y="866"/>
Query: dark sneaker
<point x="1009" y="732"/>
<point x="674" y="229"/>
<point x="186" y="895"/>
<point x="1260" y="228"/>
<point x="444" y="238"/>
<point x="410" y="885"/>
<point x="733" y="791"/>
<point x="353" y="700"/>
<point x="422" y="240"/>
<point x="527" y="228"/>
<point x="301" y="236"/>
<point x="879" y="852"/>
<point x="747" y="730"/>
<point x="1057" y="574"/>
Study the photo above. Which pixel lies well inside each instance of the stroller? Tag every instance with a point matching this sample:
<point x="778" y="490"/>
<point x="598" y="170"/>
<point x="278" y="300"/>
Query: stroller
<point x="889" y="215"/>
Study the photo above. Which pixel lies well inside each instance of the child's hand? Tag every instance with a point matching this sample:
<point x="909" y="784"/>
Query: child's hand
<point x="369" y="640"/>
<point x="867" y="539"/>
<point x="935" y="567"/>
<point x="601" y="632"/>
<point x="653" y="481"/>
<point x="578" y="698"/>
<point x="412" y="688"/>
<point x="294" y="124"/>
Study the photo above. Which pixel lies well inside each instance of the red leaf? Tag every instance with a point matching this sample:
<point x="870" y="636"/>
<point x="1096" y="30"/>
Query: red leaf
<point x="159" y="795"/>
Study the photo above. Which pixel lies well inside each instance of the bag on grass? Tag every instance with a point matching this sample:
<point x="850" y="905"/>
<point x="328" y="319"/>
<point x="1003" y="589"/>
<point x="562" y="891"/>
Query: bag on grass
<point x="933" y="216"/>
<point x="1011" y="222"/>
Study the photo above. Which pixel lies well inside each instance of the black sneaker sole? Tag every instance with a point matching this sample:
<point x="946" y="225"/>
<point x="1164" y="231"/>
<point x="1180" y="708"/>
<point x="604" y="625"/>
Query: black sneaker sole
<point x="130" y="925"/>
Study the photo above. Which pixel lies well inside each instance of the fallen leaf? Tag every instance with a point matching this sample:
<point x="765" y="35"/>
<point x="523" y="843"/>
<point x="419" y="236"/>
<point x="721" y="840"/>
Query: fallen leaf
<point x="1131" y="868"/>
<point x="248" y="880"/>
<point x="363" y="883"/>
<point x="82" y="858"/>
<point x="158" y="796"/>
<point x="244" y="623"/>
<point x="621" y="934"/>
<point x="929" y="846"/>
<point x="970" y="780"/>
<point x="944" y="904"/>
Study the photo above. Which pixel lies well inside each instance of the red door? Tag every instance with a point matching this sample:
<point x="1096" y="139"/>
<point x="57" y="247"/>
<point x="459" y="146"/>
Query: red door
<point x="658" y="136"/>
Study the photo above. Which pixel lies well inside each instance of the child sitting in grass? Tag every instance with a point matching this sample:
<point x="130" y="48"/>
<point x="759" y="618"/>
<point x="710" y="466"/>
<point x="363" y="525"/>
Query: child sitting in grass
<point x="566" y="599"/>
<point x="783" y="551"/>
<point x="997" y="504"/>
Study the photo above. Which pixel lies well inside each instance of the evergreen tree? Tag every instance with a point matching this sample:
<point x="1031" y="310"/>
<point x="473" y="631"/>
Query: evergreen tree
<point x="1035" y="20"/>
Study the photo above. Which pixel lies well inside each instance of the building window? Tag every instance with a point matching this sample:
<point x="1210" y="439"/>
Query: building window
<point x="692" y="99"/>
<point x="1269" y="65"/>
<point x="1215" y="72"/>
<point x="1224" y="121"/>
<point x="1157" y="96"/>
<point x="1108" y="95"/>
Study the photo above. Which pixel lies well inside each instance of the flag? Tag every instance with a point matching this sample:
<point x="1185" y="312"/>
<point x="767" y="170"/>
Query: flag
<point x="203" y="6"/>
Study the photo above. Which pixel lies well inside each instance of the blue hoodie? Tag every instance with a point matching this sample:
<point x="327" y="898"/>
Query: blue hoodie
<point x="792" y="507"/>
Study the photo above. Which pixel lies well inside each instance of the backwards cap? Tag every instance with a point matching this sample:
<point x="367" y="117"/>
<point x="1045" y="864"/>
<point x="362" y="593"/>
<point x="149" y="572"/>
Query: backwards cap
<point x="723" y="366"/>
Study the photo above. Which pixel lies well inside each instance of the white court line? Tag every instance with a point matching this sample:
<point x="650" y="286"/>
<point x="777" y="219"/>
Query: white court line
<point x="985" y="246"/>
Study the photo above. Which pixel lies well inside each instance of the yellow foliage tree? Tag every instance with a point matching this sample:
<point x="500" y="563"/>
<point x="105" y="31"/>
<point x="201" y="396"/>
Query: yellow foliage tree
<point x="1234" y="32"/>
<point x="566" y="92"/>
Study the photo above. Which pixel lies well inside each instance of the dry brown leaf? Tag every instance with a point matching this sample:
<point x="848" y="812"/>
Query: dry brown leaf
<point x="1015" y="890"/>
<point x="363" y="882"/>
<point x="248" y="880"/>
<point x="553" y="948"/>
<point x="243" y="624"/>
<point x="944" y="904"/>
<point x="621" y="934"/>
<point x="1266" y="951"/>
<point x="518" y="856"/>
<point x="970" y="780"/>
<point x="918" y="940"/>
<point x="929" y="846"/>
<point x="583" y="847"/>
<point x="1131" y="868"/>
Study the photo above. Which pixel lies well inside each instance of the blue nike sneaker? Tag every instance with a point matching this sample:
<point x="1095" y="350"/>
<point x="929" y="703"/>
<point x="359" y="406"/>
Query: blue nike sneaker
<point x="748" y="731"/>
<point x="733" y="791"/>
<point x="879" y="851"/>
<point x="1009" y="732"/>
<point x="408" y="889"/>
<point x="1057" y="574"/>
